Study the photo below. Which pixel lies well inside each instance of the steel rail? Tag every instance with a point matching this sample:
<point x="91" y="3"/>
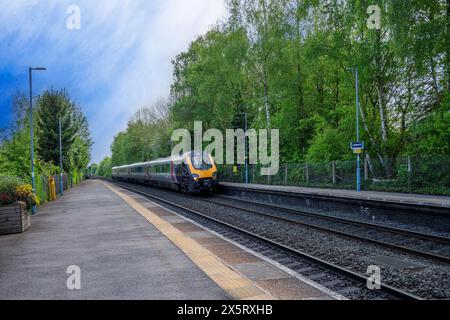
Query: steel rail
<point x="399" y="248"/>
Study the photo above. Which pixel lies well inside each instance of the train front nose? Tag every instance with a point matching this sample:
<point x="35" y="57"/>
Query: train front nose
<point x="205" y="184"/>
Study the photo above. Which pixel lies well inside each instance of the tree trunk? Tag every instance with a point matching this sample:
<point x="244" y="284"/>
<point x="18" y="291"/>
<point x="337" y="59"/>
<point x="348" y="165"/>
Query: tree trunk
<point x="448" y="45"/>
<point x="299" y="75"/>
<point x="264" y="67"/>
<point x="380" y="87"/>
<point x="381" y="109"/>
<point x="266" y="99"/>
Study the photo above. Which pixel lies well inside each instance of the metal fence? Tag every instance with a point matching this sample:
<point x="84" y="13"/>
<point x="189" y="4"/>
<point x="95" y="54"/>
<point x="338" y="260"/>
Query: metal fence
<point x="69" y="180"/>
<point x="418" y="174"/>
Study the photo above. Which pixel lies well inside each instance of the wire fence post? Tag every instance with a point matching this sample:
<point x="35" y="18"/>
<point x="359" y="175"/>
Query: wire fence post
<point x="307" y="172"/>
<point x="409" y="172"/>
<point x="333" y="171"/>
<point x="286" y="174"/>
<point x="366" y="169"/>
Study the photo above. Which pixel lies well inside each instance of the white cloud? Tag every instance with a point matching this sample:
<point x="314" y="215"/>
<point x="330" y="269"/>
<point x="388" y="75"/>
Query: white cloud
<point x="118" y="61"/>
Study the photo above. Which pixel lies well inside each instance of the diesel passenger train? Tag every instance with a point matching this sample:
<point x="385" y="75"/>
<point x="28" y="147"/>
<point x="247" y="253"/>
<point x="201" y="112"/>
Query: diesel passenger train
<point x="190" y="172"/>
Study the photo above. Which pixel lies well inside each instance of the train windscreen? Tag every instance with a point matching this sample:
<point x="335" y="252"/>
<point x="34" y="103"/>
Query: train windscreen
<point x="201" y="161"/>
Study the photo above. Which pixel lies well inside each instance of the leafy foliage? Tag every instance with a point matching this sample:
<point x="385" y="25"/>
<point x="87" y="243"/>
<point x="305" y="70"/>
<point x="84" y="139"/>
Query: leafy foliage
<point x="14" y="189"/>
<point x="104" y="168"/>
<point x="147" y="136"/>
<point x="15" y="142"/>
<point x="52" y="106"/>
<point x="285" y="63"/>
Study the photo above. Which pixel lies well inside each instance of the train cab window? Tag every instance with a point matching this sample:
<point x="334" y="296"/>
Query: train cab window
<point x="201" y="161"/>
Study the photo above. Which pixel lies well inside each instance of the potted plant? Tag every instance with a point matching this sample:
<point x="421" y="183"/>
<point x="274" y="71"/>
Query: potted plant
<point x="16" y="198"/>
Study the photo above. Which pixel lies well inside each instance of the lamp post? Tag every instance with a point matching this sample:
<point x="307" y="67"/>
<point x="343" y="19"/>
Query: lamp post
<point x="358" y="160"/>
<point x="30" y="70"/>
<point x="61" y="185"/>
<point x="245" y="144"/>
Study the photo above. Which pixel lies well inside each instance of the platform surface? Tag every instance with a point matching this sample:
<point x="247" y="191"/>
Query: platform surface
<point x="128" y="247"/>
<point x="120" y="254"/>
<point x="393" y="197"/>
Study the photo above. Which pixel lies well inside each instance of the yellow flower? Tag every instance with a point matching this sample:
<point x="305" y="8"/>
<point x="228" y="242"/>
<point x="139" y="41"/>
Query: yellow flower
<point x="25" y="193"/>
<point x="24" y="190"/>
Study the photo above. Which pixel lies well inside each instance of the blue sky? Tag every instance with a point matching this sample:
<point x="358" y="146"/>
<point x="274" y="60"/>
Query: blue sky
<point x="116" y="63"/>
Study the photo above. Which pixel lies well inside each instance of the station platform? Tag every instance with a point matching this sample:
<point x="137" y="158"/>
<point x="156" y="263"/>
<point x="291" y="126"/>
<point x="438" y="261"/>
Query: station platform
<point x="127" y="247"/>
<point x="379" y="196"/>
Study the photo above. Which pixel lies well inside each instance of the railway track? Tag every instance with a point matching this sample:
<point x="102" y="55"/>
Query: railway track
<point x="345" y="282"/>
<point x="425" y="245"/>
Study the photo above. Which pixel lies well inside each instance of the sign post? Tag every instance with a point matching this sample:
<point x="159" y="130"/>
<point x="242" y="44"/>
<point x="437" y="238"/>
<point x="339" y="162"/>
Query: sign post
<point x="357" y="148"/>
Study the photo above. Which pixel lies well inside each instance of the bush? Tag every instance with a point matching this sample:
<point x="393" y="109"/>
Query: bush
<point x="13" y="189"/>
<point x="8" y="187"/>
<point x="41" y="188"/>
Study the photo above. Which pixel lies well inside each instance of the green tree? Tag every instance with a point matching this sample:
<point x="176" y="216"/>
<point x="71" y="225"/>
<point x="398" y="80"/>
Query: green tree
<point x="92" y="169"/>
<point x="76" y="142"/>
<point x="104" y="168"/>
<point x="147" y="136"/>
<point x="284" y="63"/>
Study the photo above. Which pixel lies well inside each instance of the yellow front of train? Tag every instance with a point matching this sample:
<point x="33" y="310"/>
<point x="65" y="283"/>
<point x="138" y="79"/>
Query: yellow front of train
<point x="203" y="171"/>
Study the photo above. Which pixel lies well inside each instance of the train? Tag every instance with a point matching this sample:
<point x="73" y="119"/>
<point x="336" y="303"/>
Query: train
<point x="191" y="172"/>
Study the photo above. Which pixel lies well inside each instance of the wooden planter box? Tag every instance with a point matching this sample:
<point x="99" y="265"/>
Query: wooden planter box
<point x="14" y="218"/>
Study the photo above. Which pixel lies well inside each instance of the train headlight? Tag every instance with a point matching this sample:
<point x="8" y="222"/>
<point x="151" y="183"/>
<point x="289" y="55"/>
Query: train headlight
<point x="195" y="177"/>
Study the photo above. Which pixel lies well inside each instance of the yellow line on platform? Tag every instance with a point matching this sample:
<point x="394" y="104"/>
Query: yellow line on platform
<point x="236" y="285"/>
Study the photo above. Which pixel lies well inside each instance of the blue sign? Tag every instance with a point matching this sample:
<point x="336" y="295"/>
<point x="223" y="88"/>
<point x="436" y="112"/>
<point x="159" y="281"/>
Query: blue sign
<point x="357" y="145"/>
